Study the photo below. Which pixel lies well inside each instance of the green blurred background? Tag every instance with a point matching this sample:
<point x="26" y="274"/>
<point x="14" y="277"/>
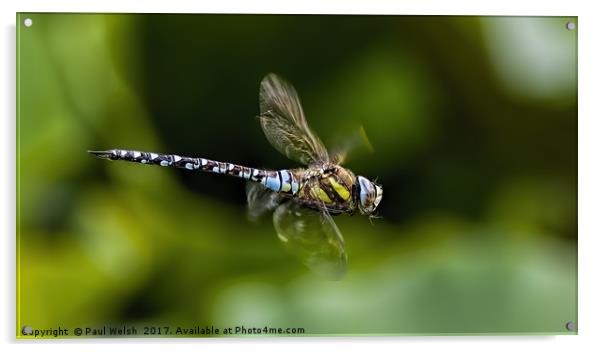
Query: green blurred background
<point x="473" y="121"/>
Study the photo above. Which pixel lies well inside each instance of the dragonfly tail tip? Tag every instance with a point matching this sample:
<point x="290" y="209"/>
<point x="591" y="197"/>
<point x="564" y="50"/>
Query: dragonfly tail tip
<point x="103" y="154"/>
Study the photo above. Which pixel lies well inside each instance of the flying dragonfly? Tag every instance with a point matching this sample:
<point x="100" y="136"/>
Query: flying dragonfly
<point x="303" y="200"/>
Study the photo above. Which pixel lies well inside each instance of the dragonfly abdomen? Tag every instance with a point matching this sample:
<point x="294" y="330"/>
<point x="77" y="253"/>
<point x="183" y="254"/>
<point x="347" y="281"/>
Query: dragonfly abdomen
<point x="282" y="181"/>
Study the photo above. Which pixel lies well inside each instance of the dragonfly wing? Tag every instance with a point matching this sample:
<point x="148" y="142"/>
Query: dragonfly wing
<point x="284" y="123"/>
<point x="313" y="237"/>
<point x="349" y="144"/>
<point x="260" y="200"/>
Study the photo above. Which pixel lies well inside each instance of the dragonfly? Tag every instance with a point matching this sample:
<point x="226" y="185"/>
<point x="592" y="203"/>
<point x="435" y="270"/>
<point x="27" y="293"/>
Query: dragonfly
<point x="304" y="199"/>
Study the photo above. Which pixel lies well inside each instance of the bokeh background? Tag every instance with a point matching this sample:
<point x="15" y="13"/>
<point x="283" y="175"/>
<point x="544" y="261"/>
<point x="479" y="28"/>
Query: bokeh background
<point x="473" y="121"/>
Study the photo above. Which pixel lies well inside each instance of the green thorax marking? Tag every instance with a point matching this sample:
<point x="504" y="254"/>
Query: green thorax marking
<point x="329" y="186"/>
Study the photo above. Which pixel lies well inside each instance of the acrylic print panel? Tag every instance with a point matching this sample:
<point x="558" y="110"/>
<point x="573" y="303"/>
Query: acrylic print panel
<point x="452" y="140"/>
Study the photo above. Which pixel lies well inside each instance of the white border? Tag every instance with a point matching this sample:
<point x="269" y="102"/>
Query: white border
<point x="590" y="171"/>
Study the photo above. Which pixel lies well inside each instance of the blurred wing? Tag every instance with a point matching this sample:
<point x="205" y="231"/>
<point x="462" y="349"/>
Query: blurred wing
<point x="313" y="237"/>
<point x="260" y="200"/>
<point x="284" y="124"/>
<point x="353" y="142"/>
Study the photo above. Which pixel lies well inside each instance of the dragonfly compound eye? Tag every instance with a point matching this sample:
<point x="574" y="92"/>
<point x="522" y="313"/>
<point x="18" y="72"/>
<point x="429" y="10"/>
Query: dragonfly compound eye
<point x="370" y="195"/>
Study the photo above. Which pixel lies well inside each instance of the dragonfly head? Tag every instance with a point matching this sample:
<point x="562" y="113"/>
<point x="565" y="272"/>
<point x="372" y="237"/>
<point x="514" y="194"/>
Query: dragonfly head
<point x="369" y="195"/>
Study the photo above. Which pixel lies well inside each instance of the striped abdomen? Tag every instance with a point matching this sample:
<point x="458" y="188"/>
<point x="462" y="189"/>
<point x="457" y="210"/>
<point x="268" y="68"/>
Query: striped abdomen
<point x="283" y="181"/>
